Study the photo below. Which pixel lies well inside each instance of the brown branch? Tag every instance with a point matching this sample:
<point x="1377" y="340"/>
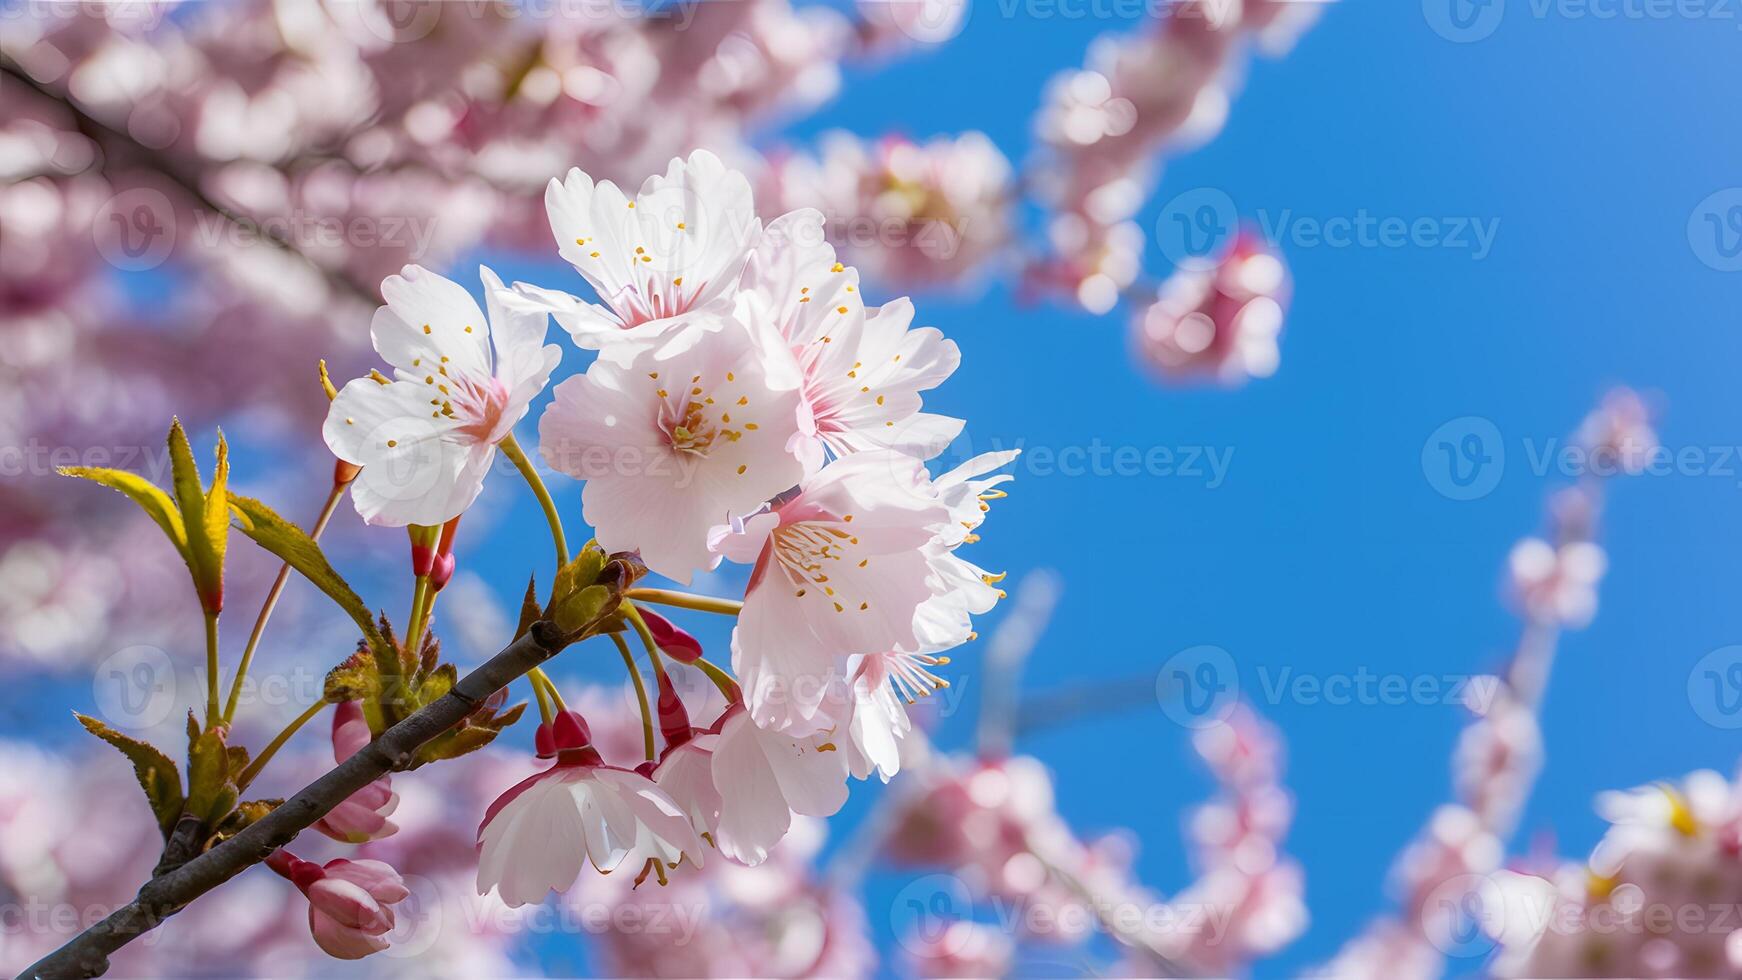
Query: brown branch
<point x="87" y="954"/>
<point x="118" y="145"/>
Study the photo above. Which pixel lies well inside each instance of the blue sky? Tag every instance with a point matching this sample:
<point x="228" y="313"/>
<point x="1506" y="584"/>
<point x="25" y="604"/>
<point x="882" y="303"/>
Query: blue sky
<point x="1586" y="145"/>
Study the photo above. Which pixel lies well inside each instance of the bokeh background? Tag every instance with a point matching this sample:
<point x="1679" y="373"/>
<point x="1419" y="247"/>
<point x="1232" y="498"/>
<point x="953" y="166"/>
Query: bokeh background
<point x="1598" y="152"/>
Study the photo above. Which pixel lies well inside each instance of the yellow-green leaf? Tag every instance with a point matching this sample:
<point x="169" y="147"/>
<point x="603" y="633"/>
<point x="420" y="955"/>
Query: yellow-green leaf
<point x="211" y="788"/>
<point x="155" y="771"/>
<point x="217" y="509"/>
<point x="581" y="609"/>
<point x="205" y="556"/>
<point x="300" y="551"/>
<point x="141" y="491"/>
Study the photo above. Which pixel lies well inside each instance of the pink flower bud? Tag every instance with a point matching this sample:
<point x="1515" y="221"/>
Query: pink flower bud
<point x="363" y="815"/>
<point x="566" y="732"/>
<point x="350" y="902"/>
<point x="675" y="643"/>
<point x="674" y="718"/>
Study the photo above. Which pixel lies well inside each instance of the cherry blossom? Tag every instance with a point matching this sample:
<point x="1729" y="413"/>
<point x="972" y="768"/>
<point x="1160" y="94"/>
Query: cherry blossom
<point x="842" y="567"/>
<point x="675" y="250"/>
<point x="427" y="437"/>
<point x="764" y="777"/>
<point x="349" y="902"/>
<point x="539" y="834"/>
<point x="671" y="446"/>
<point x="862" y="369"/>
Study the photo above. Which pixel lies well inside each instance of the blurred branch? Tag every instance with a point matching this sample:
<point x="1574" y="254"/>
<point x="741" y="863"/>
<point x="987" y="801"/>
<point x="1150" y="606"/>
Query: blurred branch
<point x="87" y="954"/>
<point x="1015" y="638"/>
<point x="118" y="144"/>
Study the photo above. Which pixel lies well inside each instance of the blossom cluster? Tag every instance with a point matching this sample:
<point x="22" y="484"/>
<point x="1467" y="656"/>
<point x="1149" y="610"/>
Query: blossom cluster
<point x="745" y="404"/>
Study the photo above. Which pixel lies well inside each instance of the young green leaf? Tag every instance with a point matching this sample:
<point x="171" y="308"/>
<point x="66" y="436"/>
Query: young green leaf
<point x="300" y="551"/>
<point x="205" y="554"/>
<point x="141" y="491"/>
<point x="155" y="771"/>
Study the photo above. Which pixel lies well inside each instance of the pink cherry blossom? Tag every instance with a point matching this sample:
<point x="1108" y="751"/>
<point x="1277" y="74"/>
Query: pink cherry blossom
<point x="670" y="446"/>
<point x="349" y="902"/>
<point x="362" y="816"/>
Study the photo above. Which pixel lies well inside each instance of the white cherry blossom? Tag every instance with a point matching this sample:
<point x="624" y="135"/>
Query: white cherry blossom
<point x="861" y="370"/>
<point x="426" y="437"/>
<point x="671" y="446"/>
<point x="536" y="837"/>
<point x="764" y="777"/>
<point x="674" y="250"/>
<point x="845" y="567"/>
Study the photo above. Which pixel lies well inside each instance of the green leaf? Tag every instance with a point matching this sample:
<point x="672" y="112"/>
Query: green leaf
<point x="211" y="788"/>
<point x="352" y="680"/>
<point x="582" y="571"/>
<point x="204" y="555"/>
<point x="288" y="542"/>
<point x="156" y="503"/>
<point x="217" y="509"/>
<point x="579" y="610"/>
<point x="155" y="771"/>
<point x="437" y="683"/>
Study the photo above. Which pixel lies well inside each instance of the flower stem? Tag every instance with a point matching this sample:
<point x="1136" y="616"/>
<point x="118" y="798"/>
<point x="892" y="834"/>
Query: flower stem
<point x="212" y="716"/>
<point x="634" y="616"/>
<point x="539" y="490"/>
<point x="535" y="677"/>
<point x="414" y="629"/>
<point x="271" y="603"/>
<point x="253" y="768"/>
<point x="684" y="600"/>
<point x="721" y="679"/>
<point x="640" y="693"/>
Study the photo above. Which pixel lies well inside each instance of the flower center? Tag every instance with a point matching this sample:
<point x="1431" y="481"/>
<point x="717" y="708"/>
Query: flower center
<point x="805" y="550"/>
<point x="691" y="421"/>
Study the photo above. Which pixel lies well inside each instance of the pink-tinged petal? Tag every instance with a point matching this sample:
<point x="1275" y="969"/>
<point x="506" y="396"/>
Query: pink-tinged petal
<point x="340" y="941"/>
<point x="378" y="878"/>
<point x="350" y="730"/>
<point x="348" y="904"/>
<point x="672" y="446"/>
<point x="742" y="541"/>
